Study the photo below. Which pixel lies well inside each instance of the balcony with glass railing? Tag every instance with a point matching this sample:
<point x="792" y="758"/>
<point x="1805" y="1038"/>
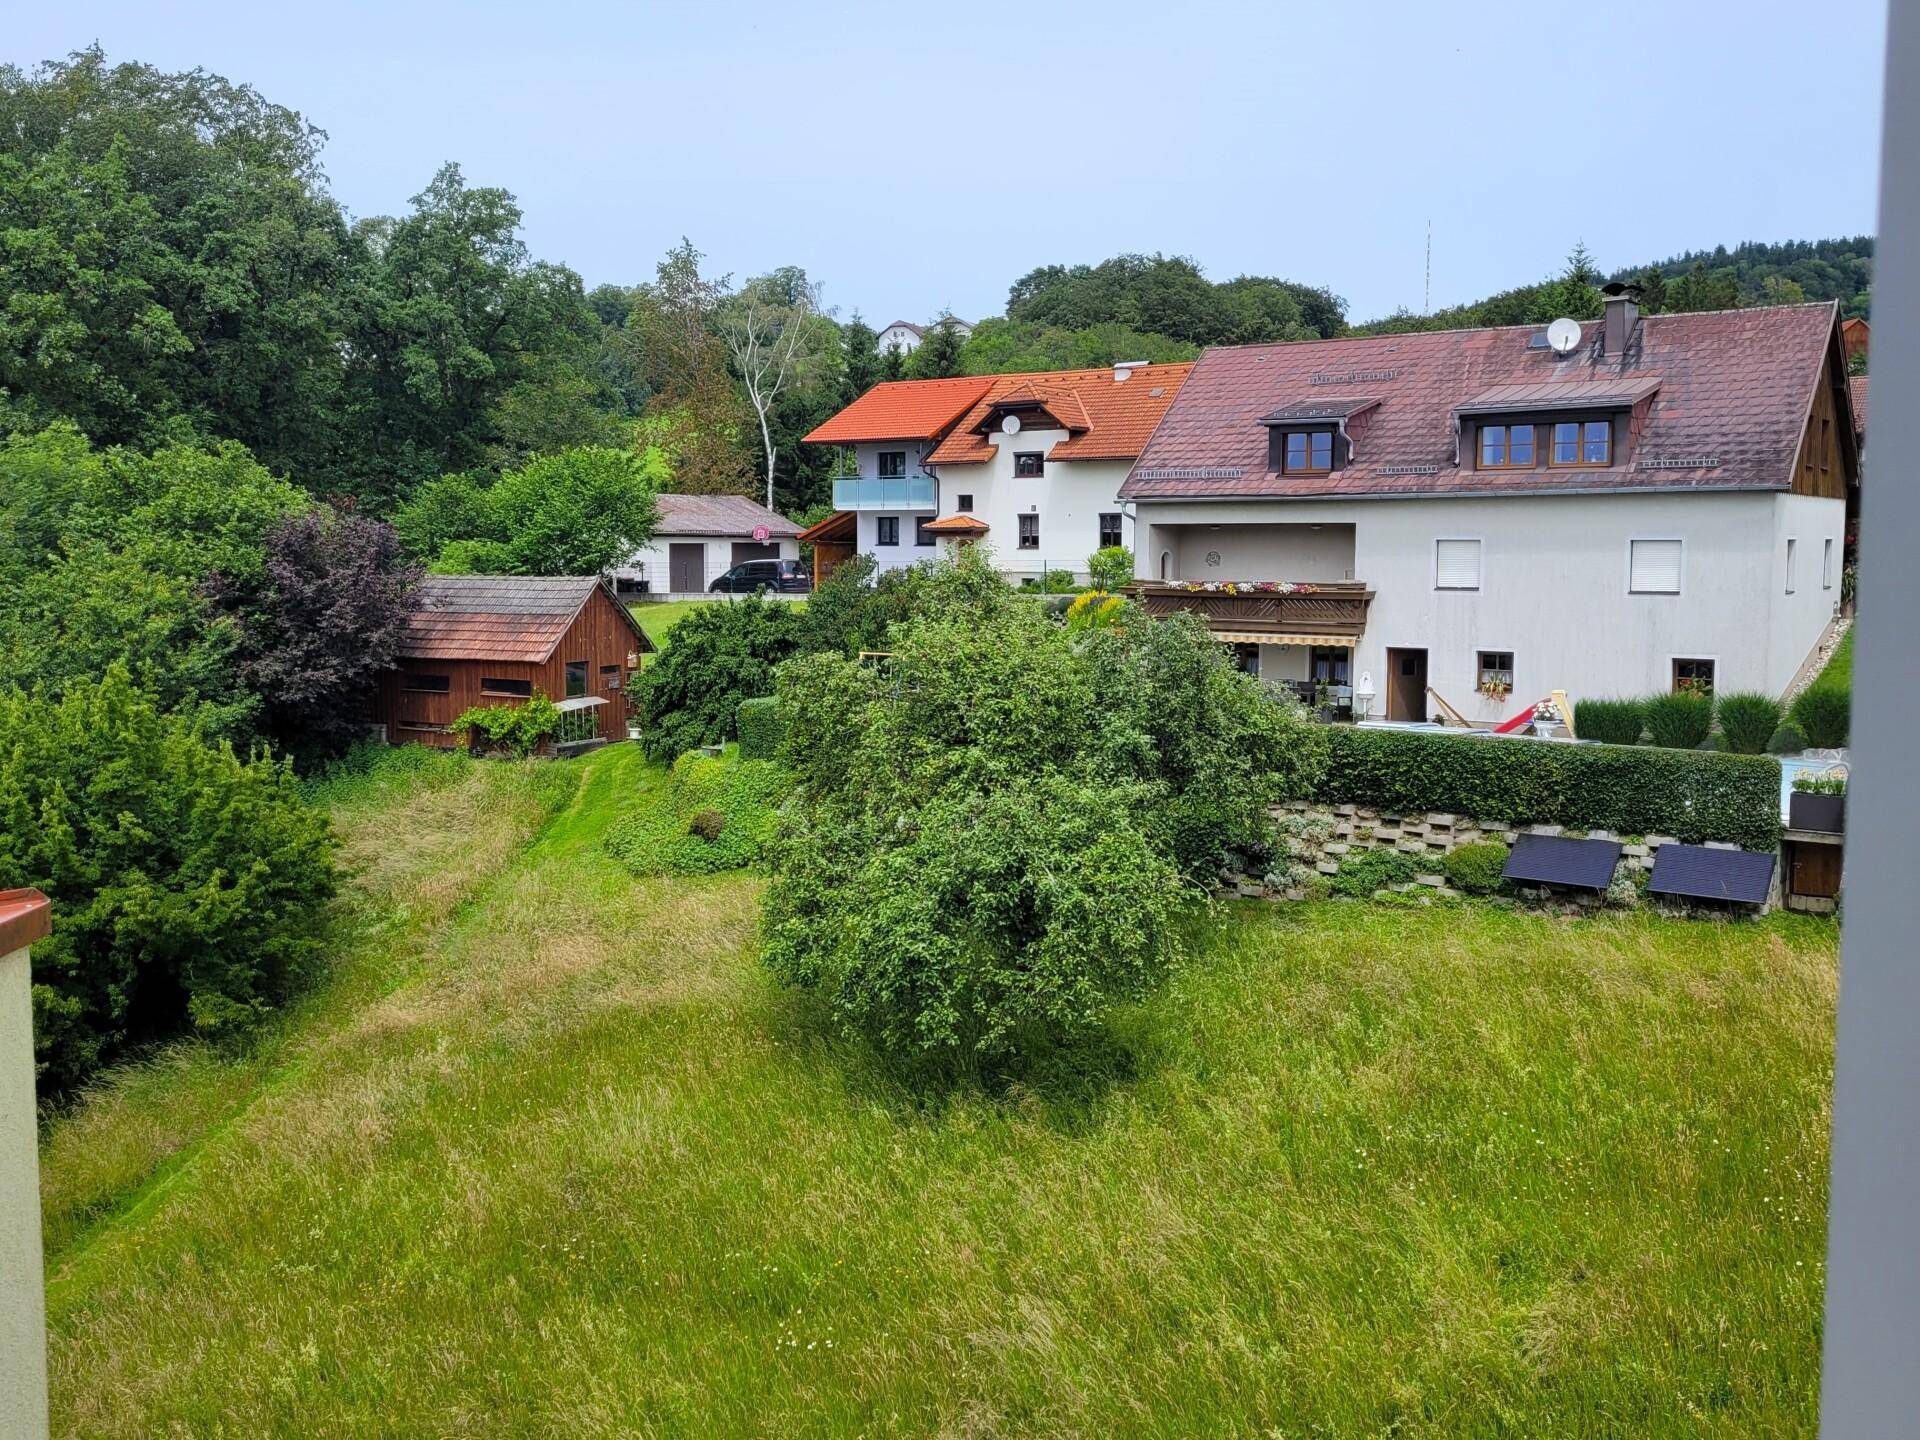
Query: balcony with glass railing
<point x="898" y="492"/>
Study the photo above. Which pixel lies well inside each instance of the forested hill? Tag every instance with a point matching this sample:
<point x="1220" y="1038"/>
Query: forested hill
<point x="1752" y="273"/>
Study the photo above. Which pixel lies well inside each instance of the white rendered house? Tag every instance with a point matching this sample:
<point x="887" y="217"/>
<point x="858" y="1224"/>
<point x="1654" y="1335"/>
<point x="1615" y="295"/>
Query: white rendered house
<point x="1475" y="518"/>
<point x="699" y="539"/>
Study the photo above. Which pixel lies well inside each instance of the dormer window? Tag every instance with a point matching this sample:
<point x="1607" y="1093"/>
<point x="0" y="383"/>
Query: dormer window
<point x="1583" y="443"/>
<point x="1506" y="447"/>
<point x="1307" y="452"/>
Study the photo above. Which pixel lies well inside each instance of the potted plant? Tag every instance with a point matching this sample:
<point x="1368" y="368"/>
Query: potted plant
<point x="1819" y="801"/>
<point x="1323" y="702"/>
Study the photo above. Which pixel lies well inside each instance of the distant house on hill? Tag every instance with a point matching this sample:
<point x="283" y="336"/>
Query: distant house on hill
<point x="700" y="538"/>
<point x="905" y="336"/>
<point x="498" y="640"/>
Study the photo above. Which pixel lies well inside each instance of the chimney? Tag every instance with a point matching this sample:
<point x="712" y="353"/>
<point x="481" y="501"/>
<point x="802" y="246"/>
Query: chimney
<point x="1623" y="313"/>
<point x="1122" y="369"/>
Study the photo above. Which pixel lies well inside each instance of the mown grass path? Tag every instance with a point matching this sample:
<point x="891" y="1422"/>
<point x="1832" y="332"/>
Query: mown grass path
<point x="549" y="1155"/>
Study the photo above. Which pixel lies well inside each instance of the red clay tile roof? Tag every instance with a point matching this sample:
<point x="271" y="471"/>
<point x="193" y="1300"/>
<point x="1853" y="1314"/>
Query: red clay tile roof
<point x="1733" y="388"/>
<point x="1107" y="419"/>
<point x="717" y="515"/>
<point x="499" y="617"/>
<point x="24" y="918"/>
<point x="956" y="525"/>
<point x="1857" y="392"/>
<point x="903" y="410"/>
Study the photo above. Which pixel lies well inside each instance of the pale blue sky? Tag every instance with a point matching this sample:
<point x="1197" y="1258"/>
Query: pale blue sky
<point x="918" y="157"/>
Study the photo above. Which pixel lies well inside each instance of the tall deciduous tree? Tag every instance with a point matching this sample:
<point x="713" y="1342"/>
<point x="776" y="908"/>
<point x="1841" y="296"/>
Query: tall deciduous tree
<point x="694" y="414"/>
<point x="778" y="335"/>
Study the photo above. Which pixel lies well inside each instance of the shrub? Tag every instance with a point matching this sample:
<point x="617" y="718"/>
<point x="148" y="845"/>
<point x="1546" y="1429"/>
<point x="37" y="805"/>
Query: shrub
<point x="1476" y="868"/>
<point x="1111" y="568"/>
<point x="1680" y="720"/>
<point x="1789" y="739"/>
<point x="1365" y="871"/>
<point x="516" y="729"/>
<point x="762" y="726"/>
<point x="710" y="815"/>
<point x="1824" y="713"/>
<point x="1631" y="791"/>
<point x="1053" y="582"/>
<point x="717" y="656"/>
<point x="1613" y="722"/>
<point x="1748" y="720"/>
<point x="188" y="886"/>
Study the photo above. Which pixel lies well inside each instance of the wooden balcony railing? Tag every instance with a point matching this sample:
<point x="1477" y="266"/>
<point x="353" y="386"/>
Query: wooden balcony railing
<point x="1336" y="609"/>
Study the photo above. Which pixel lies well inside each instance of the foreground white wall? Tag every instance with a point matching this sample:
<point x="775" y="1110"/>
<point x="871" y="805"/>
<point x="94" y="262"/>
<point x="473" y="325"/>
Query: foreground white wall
<point x="651" y="561"/>
<point x="23" y="1312"/>
<point x="1553" y="584"/>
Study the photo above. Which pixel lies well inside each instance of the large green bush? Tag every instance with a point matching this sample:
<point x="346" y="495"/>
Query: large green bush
<point x="1691" y="795"/>
<point x="1748" y="720"/>
<point x="1111" y="568"/>
<point x="1681" y="719"/>
<point x="761" y="726"/>
<point x="995" y="826"/>
<point x="1824" y="713"/>
<point x="187" y="884"/>
<point x="1364" y="871"/>
<point x="718" y="655"/>
<point x="1789" y="739"/>
<point x="1612" y="722"/>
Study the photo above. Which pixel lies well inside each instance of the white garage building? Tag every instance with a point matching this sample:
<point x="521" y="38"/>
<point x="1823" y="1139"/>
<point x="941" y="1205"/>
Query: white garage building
<point x="699" y="539"/>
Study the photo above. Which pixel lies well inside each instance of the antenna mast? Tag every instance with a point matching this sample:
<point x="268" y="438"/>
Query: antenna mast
<point x="1427" y="304"/>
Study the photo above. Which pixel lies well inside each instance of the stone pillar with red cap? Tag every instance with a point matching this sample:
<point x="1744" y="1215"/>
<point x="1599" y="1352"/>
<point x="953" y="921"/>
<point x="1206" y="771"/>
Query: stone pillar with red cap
<point x="23" y="1296"/>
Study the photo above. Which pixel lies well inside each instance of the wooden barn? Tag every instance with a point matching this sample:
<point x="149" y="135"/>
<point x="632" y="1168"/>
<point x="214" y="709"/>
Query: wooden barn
<point x="498" y="639"/>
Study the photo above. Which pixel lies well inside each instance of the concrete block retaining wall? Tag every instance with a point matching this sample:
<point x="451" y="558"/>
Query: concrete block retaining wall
<point x="1316" y="838"/>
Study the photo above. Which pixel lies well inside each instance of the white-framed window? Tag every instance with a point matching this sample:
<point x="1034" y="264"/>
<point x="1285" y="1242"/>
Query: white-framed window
<point x="1826" y="564"/>
<point x="1653" y="567"/>
<point x="1456" y="564"/>
<point x="1793" y="552"/>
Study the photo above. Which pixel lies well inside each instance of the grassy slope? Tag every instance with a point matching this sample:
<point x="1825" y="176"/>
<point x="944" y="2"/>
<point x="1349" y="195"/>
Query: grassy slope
<point x="552" y="1156"/>
<point x="1839" y="667"/>
<point x="658" y="617"/>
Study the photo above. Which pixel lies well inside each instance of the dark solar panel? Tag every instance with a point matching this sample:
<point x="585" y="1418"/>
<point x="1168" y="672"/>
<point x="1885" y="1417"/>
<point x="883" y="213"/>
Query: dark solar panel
<point x="1708" y="874"/>
<point x="1557" y="860"/>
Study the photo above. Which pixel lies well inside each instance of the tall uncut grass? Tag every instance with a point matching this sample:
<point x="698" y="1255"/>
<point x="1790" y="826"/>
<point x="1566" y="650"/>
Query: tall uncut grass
<point x="552" y="1156"/>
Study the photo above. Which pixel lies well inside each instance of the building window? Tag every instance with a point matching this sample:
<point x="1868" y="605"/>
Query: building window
<point x="1110" y="531"/>
<point x="576" y="679"/>
<point x="1793" y="553"/>
<point x="1308" y="452"/>
<point x="441" y="684"/>
<point x="493" y="685"/>
<point x="1506" y="447"/>
<point x="891" y="464"/>
<point x="921" y="535"/>
<point x="964" y="503"/>
<point x="886" y="530"/>
<point x="609" y="679"/>
<point x="1330" y="665"/>
<point x="1456" y="564"/>
<point x="1692" y="675"/>
<point x="1028" y="463"/>
<point x="1826" y="564"/>
<point x="1583" y="442"/>
<point x="1653" y="567"/>
<point x="1494" y="674"/>
<point x="1029" y="532"/>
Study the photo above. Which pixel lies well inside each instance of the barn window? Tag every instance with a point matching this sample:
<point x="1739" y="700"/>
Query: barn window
<point x="576" y="678"/>
<point x="609" y="678"/>
<point x="428" y="684"/>
<point x="495" y="685"/>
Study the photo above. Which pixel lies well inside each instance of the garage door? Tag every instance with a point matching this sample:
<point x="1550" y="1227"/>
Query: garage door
<point x="744" y="550"/>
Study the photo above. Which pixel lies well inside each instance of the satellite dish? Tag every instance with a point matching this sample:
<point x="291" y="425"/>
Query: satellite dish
<point x="1564" y="336"/>
<point x="1011" y="424"/>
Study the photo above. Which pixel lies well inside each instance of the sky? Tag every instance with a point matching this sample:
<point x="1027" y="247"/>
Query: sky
<point x="917" y="158"/>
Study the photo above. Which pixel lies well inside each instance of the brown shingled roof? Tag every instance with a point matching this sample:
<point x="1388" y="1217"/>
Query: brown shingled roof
<point x="1105" y="419"/>
<point x="1729" y="386"/>
<point x="499" y="617"/>
<point x="717" y="515"/>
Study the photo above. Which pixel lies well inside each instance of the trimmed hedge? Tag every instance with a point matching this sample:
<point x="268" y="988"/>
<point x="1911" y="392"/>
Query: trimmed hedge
<point x="1477" y="868"/>
<point x="1630" y="790"/>
<point x="762" y="728"/>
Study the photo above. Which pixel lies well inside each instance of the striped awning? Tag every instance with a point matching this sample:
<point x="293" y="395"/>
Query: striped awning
<point x="1268" y="637"/>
